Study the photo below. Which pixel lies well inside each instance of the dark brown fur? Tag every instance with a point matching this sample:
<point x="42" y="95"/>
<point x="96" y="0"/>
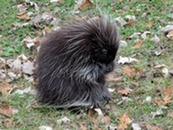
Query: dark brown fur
<point x="73" y="61"/>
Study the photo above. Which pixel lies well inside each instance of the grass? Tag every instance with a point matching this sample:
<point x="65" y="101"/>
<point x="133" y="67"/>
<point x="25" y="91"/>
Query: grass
<point x="31" y="116"/>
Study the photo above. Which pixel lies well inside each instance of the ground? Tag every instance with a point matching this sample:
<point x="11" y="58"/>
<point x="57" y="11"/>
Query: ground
<point x="142" y="90"/>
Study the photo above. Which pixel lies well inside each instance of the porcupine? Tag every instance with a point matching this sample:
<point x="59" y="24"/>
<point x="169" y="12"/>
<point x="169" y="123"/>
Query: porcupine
<point x="72" y="63"/>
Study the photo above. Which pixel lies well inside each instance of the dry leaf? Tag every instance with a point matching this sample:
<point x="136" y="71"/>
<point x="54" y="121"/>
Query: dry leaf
<point x="130" y="22"/>
<point x="144" y="34"/>
<point x="136" y="126"/>
<point x="167" y="95"/>
<point x="8" y="123"/>
<point x="6" y="89"/>
<point x="151" y="127"/>
<point x="112" y="78"/>
<point x="83" y="127"/>
<point x="125" y="120"/>
<point x="138" y="44"/>
<point x="155" y="39"/>
<point x="135" y="35"/>
<point x="24" y="16"/>
<point x="86" y="4"/>
<point x="150" y="23"/>
<point x="29" y="42"/>
<point x="101" y="120"/>
<point x="170" y="114"/>
<point x="1" y="49"/>
<point x="131" y="72"/>
<point x="6" y="110"/>
<point x="45" y="127"/>
<point x="56" y="1"/>
<point x="130" y="17"/>
<point x="21" y="8"/>
<point x="123" y="60"/>
<point x="124" y="91"/>
<point x="28" y="67"/>
<point x="121" y="21"/>
<point x="170" y="35"/>
<point x="63" y="120"/>
<point x="168" y="28"/>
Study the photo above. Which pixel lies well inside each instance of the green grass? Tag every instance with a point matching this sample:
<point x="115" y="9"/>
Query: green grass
<point x="32" y="115"/>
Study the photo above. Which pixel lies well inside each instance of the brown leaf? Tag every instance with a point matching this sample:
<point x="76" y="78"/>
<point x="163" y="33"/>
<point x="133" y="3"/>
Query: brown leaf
<point x="150" y="23"/>
<point x="8" y="123"/>
<point x="170" y="35"/>
<point x="170" y="114"/>
<point x="128" y="71"/>
<point x="151" y="127"/>
<point x="167" y="95"/>
<point x="6" y="88"/>
<point x="86" y="4"/>
<point x="23" y="16"/>
<point x="138" y="44"/>
<point x="125" y="120"/>
<point x="124" y="91"/>
<point x="47" y="30"/>
<point x="129" y="23"/>
<point x="131" y="72"/>
<point x="101" y="120"/>
<point x="83" y="127"/>
<point x="6" y="110"/>
<point x="111" y="78"/>
<point x="1" y="49"/>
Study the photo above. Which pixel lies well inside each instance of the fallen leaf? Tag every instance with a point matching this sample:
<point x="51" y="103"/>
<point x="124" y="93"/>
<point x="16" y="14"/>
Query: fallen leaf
<point x="24" y="16"/>
<point x="28" y="67"/>
<point x="157" y="113"/>
<point x="124" y="120"/>
<point x="150" y="23"/>
<point x="21" y="8"/>
<point x="56" y="1"/>
<point x="170" y="35"/>
<point x="6" y="110"/>
<point x="155" y="39"/>
<point x="136" y="126"/>
<point x="24" y="91"/>
<point x="111" y="78"/>
<point x="29" y="42"/>
<point x="130" y="17"/>
<point x="6" y="88"/>
<point x="1" y="49"/>
<point x="101" y="120"/>
<point x="63" y="120"/>
<point x="123" y="43"/>
<point x="135" y="35"/>
<point x="45" y="127"/>
<point x="8" y="123"/>
<point x="131" y="72"/>
<point x="152" y="127"/>
<point x="46" y="30"/>
<point x="144" y="34"/>
<point x="170" y="114"/>
<point x="120" y="21"/>
<point x="83" y="127"/>
<point x="86" y="4"/>
<point x="167" y="28"/>
<point x="123" y="60"/>
<point x="124" y="91"/>
<point x="138" y="44"/>
<point x="130" y="22"/>
<point x="167" y="95"/>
